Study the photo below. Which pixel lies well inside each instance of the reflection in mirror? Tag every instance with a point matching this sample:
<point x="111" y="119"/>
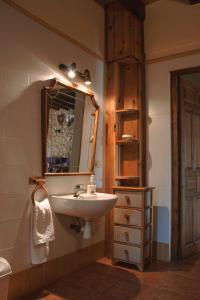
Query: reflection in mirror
<point x="70" y="120"/>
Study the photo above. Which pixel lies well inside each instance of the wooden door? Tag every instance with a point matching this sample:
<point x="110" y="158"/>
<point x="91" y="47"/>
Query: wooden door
<point x="190" y="169"/>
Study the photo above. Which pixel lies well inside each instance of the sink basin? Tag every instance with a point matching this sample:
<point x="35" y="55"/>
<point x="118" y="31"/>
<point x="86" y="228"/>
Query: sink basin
<point x="86" y="206"/>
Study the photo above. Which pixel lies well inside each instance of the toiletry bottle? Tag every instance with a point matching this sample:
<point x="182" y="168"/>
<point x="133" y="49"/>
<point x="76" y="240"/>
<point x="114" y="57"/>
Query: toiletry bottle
<point x="91" y="187"/>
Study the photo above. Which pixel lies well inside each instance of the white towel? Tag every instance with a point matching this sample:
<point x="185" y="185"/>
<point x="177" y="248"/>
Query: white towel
<point x="42" y="231"/>
<point x="39" y="253"/>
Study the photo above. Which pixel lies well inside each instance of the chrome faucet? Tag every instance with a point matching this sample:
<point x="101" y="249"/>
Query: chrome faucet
<point x="78" y="190"/>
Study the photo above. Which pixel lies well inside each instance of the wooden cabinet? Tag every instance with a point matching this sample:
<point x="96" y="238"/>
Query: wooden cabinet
<point x="124" y="33"/>
<point x="132" y="235"/>
<point x="125" y="115"/>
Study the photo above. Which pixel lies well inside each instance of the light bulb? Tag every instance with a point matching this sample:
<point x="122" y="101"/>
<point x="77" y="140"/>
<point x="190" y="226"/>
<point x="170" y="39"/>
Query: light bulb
<point x="71" y="73"/>
<point x="87" y="77"/>
<point x="88" y="82"/>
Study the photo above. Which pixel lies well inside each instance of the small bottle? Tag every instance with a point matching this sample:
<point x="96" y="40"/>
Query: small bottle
<point x="91" y="187"/>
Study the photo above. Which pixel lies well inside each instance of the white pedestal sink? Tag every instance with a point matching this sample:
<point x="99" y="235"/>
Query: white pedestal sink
<point x="85" y="206"/>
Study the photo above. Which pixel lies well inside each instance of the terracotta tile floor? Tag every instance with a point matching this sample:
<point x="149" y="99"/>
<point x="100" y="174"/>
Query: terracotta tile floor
<point x="102" y="281"/>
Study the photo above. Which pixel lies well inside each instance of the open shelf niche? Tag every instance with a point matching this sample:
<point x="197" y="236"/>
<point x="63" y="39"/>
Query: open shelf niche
<point x="129" y="127"/>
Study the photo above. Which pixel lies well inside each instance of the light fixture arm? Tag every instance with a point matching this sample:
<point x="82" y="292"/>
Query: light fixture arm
<point x="72" y="72"/>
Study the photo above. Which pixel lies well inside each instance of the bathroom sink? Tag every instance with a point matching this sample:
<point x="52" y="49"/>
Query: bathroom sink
<point x="85" y="206"/>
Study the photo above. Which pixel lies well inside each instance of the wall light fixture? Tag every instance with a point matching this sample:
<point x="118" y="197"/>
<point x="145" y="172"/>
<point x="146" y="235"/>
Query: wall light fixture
<point x="72" y="72"/>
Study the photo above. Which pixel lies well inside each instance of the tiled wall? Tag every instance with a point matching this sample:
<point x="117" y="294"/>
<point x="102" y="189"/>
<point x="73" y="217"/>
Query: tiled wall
<point x="29" y="56"/>
<point x="41" y="276"/>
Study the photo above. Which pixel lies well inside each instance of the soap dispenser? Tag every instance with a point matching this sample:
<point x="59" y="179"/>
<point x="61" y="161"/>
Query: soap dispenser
<point x="91" y="187"/>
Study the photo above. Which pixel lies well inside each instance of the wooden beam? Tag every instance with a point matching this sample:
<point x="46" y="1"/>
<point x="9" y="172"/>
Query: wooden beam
<point x="104" y="2"/>
<point x="192" y="2"/>
<point x="146" y="2"/>
<point x="136" y="6"/>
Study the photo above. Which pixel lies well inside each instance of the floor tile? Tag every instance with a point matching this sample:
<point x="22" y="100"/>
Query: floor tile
<point x="102" y="281"/>
<point x="181" y="284"/>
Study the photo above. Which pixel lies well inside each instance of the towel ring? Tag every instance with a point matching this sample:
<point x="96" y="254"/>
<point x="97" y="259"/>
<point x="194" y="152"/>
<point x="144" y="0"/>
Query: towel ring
<point x="40" y="184"/>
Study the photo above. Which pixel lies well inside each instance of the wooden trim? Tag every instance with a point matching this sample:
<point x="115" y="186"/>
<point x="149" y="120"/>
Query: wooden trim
<point x="44" y="127"/>
<point x="132" y="188"/>
<point x="172" y="56"/>
<point x="142" y="125"/>
<point x="161" y="251"/>
<point x="175" y="167"/>
<point x="53" y="29"/>
<point x="68" y="174"/>
<point x="71" y="85"/>
<point x="94" y="143"/>
<point x="176" y="159"/>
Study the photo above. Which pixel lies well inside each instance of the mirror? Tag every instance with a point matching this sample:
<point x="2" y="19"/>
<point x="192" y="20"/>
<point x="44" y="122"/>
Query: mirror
<point x="69" y="129"/>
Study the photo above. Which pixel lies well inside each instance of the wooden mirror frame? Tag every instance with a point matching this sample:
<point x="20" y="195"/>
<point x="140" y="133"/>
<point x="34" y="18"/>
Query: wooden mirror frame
<point x="44" y="124"/>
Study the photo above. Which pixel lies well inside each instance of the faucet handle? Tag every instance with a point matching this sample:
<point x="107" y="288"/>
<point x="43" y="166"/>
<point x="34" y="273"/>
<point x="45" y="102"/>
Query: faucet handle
<point x="77" y="189"/>
<point x="79" y="184"/>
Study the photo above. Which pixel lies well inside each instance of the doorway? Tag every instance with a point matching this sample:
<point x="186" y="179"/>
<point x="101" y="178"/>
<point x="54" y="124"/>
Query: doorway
<point x="185" y="126"/>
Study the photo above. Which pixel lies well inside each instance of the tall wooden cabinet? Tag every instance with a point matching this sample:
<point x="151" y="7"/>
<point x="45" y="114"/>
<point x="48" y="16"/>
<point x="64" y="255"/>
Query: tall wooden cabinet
<point x="125" y="104"/>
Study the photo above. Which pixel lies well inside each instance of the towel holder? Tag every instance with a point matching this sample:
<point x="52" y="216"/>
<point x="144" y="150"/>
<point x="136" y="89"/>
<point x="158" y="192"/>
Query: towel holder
<point x="40" y="184"/>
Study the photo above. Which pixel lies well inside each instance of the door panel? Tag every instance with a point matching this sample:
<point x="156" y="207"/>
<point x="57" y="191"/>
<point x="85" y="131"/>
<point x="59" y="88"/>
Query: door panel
<point x="188" y="222"/>
<point x="188" y="139"/>
<point x="196" y="221"/>
<point x="196" y="134"/>
<point x="190" y="169"/>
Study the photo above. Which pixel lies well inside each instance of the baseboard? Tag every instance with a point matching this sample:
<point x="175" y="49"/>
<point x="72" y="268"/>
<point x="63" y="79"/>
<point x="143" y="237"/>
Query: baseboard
<point x="161" y="251"/>
<point x="37" y="277"/>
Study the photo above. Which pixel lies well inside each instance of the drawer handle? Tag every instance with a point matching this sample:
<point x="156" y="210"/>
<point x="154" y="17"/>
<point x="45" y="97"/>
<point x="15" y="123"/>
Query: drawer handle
<point x="127" y="217"/>
<point x="127" y="198"/>
<point x="126" y="236"/>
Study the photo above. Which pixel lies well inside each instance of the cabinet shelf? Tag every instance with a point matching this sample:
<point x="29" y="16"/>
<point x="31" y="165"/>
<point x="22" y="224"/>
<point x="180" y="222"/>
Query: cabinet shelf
<point x="127" y="111"/>
<point x="122" y="142"/>
<point x="126" y="177"/>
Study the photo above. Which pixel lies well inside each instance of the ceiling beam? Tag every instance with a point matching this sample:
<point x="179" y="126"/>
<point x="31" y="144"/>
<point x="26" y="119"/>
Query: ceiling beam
<point x="146" y="2"/>
<point x="104" y="2"/>
<point x="136" y="6"/>
<point x="192" y="2"/>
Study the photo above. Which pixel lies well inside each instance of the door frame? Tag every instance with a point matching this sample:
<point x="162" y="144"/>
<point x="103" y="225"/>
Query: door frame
<point x="176" y="159"/>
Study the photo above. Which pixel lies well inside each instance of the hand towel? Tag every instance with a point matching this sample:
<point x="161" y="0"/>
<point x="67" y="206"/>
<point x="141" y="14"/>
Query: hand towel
<point x="42" y="231"/>
<point x="43" y="228"/>
<point x="39" y="253"/>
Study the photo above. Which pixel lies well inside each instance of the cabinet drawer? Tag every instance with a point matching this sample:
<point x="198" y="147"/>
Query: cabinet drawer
<point x="129" y="199"/>
<point x="126" y="253"/>
<point x="129" y="254"/>
<point x="127" y="235"/>
<point x="127" y="216"/>
<point x="130" y="235"/>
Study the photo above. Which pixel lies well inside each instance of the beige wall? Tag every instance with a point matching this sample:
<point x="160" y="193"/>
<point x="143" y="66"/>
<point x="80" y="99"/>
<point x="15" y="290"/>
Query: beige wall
<point x="158" y="99"/>
<point x="82" y="20"/>
<point x="30" y="55"/>
<point x="171" y="27"/>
